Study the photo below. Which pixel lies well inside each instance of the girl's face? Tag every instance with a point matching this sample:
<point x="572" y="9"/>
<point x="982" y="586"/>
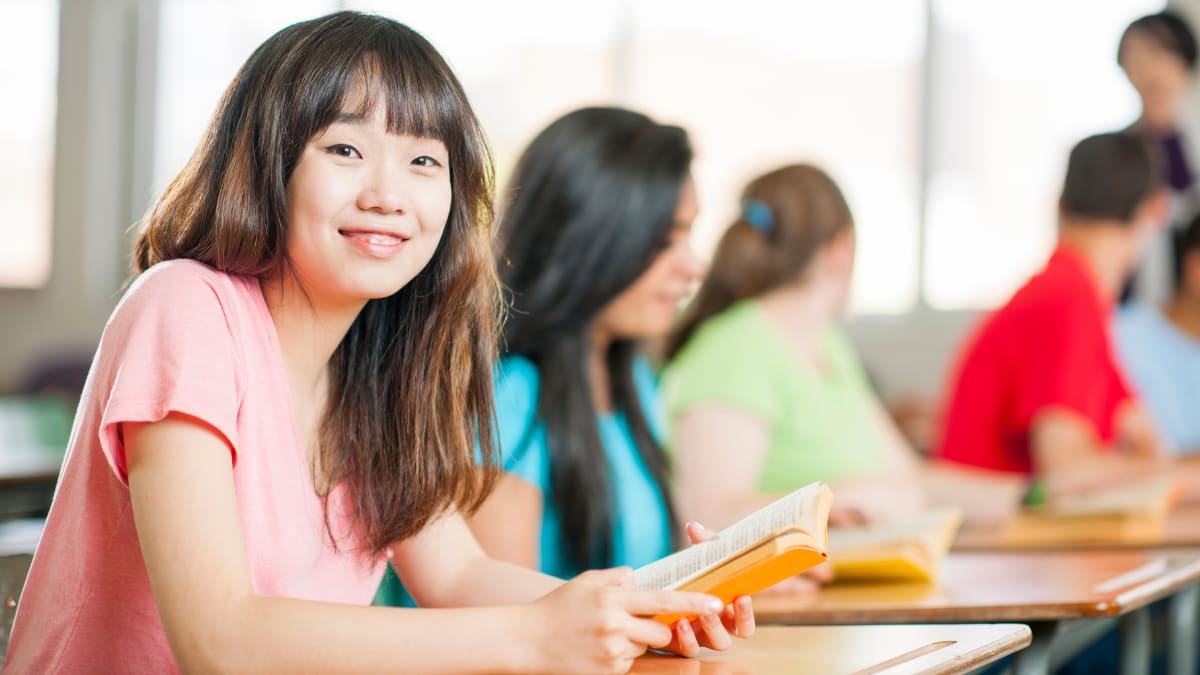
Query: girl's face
<point x="647" y="308"/>
<point x="366" y="209"/>
<point x="1159" y="76"/>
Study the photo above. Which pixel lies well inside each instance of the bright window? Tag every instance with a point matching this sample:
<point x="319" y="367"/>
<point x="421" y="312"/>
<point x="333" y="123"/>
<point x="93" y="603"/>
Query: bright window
<point x="1011" y="86"/>
<point x="28" y="71"/>
<point x="202" y="44"/>
<point x="1015" y="85"/>
<point x="811" y="81"/>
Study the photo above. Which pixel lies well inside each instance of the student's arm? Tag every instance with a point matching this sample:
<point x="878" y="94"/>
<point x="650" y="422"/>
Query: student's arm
<point x="897" y="490"/>
<point x="508" y="525"/>
<point x="185" y="510"/>
<point x="719" y="456"/>
<point x="445" y="566"/>
<point x="1069" y="456"/>
<point x="1136" y="431"/>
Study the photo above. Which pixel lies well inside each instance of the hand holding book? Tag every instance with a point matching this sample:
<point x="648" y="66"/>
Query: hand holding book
<point x="776" y="542"/>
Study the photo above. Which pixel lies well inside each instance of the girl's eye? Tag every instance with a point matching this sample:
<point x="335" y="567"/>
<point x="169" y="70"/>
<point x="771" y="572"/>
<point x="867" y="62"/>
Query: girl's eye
<point x="426" y="161"/>
<point x="343" y="150"/>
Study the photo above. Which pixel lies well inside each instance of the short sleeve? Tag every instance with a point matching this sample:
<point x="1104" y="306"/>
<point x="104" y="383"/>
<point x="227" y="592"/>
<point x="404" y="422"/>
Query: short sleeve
<point x="726" y="363"/>
<point x="645" y="381"/>
<point x="1062" y="361"/>
<point x="169" y="348"/>
<point x="521" y="437"/>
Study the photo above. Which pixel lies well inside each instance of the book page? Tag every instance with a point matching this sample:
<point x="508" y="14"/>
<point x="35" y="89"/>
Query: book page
<point x="678" y="568"/>
<point x="1142" y="497"/>
<point x="929" y="528"/>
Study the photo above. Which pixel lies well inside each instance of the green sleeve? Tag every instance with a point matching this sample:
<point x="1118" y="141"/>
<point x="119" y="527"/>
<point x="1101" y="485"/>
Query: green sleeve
<point x="727" y="363"/>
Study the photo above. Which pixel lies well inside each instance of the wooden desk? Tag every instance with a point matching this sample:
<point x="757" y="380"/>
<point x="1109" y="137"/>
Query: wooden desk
<point x="894" y="650"/>
<point x="1182" y="530"/>
<point x="1040" y="588"/>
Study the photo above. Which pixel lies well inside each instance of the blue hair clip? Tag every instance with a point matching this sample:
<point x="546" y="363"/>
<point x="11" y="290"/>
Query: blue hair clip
<point x="759" y="215"/>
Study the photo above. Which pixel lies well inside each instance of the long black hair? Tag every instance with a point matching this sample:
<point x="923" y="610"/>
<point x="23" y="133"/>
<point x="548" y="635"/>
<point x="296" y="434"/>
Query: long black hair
<point x="592" y="203"/>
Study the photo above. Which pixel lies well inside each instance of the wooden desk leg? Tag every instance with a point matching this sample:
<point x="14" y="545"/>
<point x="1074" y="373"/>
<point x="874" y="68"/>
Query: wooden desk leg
<point x="1135" y="642"/>
<point x="1035" y="659"/>
<point x="1181" y="631"/>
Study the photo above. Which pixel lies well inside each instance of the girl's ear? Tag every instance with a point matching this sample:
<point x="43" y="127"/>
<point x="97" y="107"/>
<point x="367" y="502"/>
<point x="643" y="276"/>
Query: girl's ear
<point x="836" y="257"/>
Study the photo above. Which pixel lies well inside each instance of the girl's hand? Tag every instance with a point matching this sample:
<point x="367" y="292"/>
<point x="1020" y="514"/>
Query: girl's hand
<point x="711" y="630"/>
<point x="594" y="624"/>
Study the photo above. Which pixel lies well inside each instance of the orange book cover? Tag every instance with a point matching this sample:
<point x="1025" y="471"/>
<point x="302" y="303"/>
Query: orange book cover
<point x="776" y="542"/>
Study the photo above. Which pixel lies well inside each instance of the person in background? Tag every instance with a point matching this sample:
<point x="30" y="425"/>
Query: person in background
<point x="764" y="391"/>
<point x="594" y="257"/>
<point x="1036" y="389"/>
<point x="1157" y="52"/>
<point x="1160" y="349"/>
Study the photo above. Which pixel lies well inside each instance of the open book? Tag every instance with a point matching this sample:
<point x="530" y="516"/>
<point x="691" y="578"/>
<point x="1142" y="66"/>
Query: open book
<point x="1127" y="514"/>
<point x="760" y="550"/>
<point x="909" y="549"/>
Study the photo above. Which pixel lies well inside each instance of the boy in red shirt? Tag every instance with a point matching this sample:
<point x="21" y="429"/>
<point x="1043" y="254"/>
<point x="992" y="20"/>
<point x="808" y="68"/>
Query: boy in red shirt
<point x="1037" y="389"/>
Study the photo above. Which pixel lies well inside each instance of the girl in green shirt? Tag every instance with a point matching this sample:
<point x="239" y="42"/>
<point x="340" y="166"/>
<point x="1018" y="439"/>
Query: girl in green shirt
<point x="764" y="392"/>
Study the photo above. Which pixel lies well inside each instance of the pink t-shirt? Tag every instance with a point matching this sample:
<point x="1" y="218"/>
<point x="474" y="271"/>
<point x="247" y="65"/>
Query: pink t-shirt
<point x="189" y="339"/>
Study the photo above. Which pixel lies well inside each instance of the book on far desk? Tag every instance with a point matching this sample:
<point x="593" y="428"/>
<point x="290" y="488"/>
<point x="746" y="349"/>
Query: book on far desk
<point x="776" y="542"/>
<point x="909" y="549"/>
<point x="1122" y="515"/>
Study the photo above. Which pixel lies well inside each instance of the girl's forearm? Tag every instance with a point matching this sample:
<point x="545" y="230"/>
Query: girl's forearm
<point x="284" y="635"/>
<point x="485" y="581"/>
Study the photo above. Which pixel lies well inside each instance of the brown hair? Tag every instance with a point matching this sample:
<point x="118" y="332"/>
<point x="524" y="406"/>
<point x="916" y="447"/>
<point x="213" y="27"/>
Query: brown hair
<point x="804" y="210"/>
<point x="410" y="386"/>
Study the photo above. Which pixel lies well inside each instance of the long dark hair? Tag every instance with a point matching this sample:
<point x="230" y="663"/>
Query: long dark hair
<point x="803" y="209"/>
<point x="410" y="386"/>
<point x="592" y="203"/>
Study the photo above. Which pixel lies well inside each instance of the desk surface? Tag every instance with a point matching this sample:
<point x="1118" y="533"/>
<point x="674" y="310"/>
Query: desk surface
<point x="1002" y="586"/>
<point x="894" y="650"/>
<point x="1182" y="530"/>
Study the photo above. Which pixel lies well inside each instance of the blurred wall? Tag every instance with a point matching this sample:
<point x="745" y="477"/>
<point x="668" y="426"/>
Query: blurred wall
<point x="102" y="110"/>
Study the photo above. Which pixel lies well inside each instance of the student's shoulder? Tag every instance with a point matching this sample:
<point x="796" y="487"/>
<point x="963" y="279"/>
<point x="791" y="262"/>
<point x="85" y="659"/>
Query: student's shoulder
<point x="183" y="292"/>
<point x="1048" y="300"/>
<point x="736" y="331"/>
<point x="1140" y="327"/>
<point x="177" y="281"/>
<point x="517" y="383"/>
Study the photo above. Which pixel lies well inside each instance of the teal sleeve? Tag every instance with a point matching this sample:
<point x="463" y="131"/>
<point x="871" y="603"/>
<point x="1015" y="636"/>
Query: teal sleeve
<point x="646" y="383"/>
<point x="522" y="438"/>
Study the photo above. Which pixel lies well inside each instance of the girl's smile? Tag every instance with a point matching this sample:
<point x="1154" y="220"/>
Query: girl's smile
<point x="376" y="243"/>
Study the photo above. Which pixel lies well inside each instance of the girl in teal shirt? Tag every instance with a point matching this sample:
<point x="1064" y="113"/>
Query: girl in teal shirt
<point x="594" y="254"/>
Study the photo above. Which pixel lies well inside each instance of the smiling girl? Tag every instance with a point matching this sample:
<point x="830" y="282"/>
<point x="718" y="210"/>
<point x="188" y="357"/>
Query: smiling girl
<point x="290" y="393"/>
